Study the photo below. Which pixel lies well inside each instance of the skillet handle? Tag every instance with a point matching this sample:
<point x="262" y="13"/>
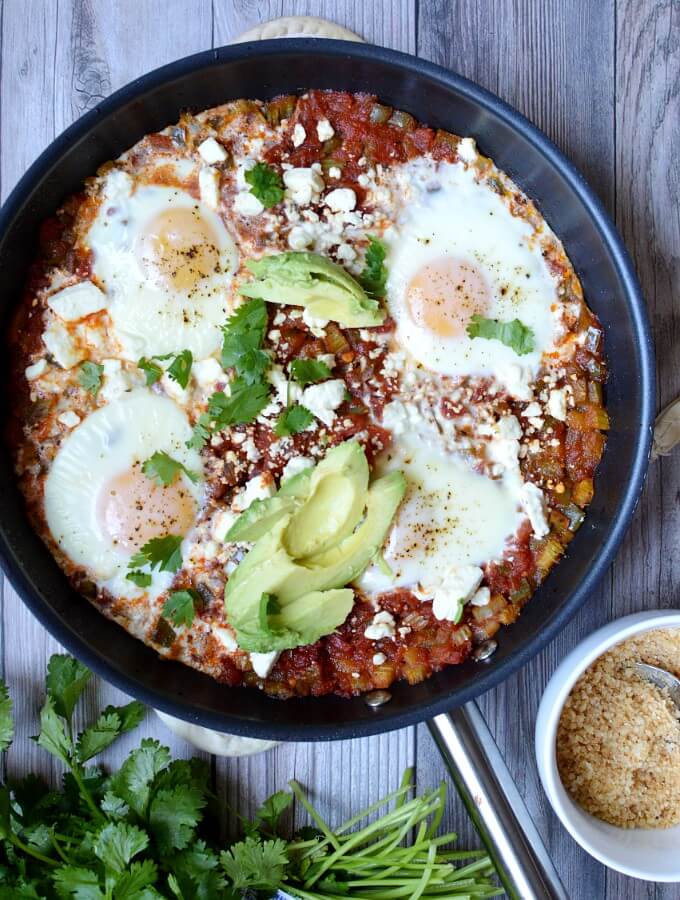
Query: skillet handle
<point x="495" y="806"/>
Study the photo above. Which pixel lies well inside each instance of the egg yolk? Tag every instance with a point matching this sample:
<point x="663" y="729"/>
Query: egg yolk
<point x="445" y="293"/>
<point x="178" y="249"/>
<point x="133" y="509"/>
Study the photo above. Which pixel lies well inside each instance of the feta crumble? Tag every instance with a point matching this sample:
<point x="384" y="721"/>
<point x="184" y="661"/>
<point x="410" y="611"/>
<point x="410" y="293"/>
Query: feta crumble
<point x="323" y="399"/>
<point x="299" y="135"/>
<point x="263" y="663"/>
<point x="533" y="504"/>
<point x="324" y="130"/>
<point x="76" y="302"/>
<point x="303" y="186"/>
<point x="212" y="152"/>
<point x="382" y="626"/>
<point x="456" y="588"/>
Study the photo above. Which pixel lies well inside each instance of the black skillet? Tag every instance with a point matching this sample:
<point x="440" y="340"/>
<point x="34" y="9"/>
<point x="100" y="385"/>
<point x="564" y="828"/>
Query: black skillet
<point x="441" y="99"/>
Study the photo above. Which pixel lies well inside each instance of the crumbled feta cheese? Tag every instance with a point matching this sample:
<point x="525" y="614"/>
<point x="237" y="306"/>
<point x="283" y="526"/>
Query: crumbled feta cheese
<point x="61" y="346"/>
<point x="324" y="130"/>
<point x="296" y="465"/>
<point x="209" y="186"/>
<point x="341" y="200"/>
<point x="379" y="659"/>
<point x="457" y="587"/>
<point x="77" y="301"/>
<point x="334" y="172"/>
<point x="314" y="323"/>
<point x="481" y="598"/>
<point x="247" y="204"/>
<point x="323" y="399"/>
<point x="303" y="186"/>
<point x="346" y="252"/>
<point x="382" y="626"/>
<point x="263" y="663"/>
<point x="395" y="417"/>
<point x="467" y="150"/>
<point x="221" y="523"/>
<point x="516" y="380"/>
<point x="328" y="358"/>
<point x="503" y="448"/>
<point x="225" y="637"/>
<point x="206" y="372"/>
<point x="533" y="409"/>
<point x="557" y="404"/>
<point x="36" y="370"/>
<point x="532" y="500"/>
<point x="116" y="380"/>
<point x="212" y="152"/>
<point x="364" y="180"/>
<point x="299" y="135"/>
<point x="69" y="418"/>
<point x="299" y="238"/>
<point x="242" y="166"/>
<point x="252" y="453"/>
<point x="258" y="488"/>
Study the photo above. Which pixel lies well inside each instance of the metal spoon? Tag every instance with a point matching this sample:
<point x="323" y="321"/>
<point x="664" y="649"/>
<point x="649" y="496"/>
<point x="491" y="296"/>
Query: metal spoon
<point x="662" y="679"/>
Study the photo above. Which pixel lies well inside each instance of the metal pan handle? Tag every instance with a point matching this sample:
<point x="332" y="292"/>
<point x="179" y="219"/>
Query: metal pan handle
<point x="491" y="798"/>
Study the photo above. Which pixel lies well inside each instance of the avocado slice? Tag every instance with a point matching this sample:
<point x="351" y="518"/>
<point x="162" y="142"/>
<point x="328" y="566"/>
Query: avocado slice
<point x="269" y="569"/>
<point x="334" y="504"/>
<point x="315" y="282"/>
<point x="260" y="517"/>
<point x="297" y="485"/>
<point x="301" y="622"/>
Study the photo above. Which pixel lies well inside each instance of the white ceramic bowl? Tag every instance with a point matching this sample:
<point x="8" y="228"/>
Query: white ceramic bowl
<point x="650" y="854"/>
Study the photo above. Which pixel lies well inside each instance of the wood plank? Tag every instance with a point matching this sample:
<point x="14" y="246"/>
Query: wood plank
<point x="534" y="56"/>
<point x="647" y="200"/>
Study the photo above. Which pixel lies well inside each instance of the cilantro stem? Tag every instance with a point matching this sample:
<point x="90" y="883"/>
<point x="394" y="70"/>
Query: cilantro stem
<point x="57" y="847"/>
<point x="29" y="851"/>
<point x="97" y="813"/>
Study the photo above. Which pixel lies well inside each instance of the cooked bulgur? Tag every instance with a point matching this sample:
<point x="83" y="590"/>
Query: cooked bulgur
<point x="618" y="740"/>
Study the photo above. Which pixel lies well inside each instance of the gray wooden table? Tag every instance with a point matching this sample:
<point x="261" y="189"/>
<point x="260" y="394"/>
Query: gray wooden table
<point x="602" y="78"/>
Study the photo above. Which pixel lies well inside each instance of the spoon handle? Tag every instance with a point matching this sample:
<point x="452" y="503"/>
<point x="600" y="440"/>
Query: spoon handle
<point x="498" y="812"/>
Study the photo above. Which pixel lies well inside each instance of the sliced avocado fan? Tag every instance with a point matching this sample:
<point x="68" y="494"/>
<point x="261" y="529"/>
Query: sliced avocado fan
<point x="310" y="543"/>
<point x="315" y="282"/>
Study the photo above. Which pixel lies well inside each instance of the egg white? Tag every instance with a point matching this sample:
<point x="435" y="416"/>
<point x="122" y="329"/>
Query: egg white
<point x="447" y="213"/>
<point x="106" y="444"/>
<point x="450" y="517"/>
<point x="151" y="319"/>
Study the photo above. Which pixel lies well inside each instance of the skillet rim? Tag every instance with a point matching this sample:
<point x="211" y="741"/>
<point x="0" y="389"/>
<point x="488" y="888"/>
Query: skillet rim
<point x="615" y="531"/>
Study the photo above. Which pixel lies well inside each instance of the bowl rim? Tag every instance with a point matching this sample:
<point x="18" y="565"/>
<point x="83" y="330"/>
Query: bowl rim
<point x="630" y="492"/>
<point x="554" y="697"/>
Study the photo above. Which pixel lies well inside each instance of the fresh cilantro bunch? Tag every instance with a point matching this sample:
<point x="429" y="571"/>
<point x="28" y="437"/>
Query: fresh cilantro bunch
<point x="142" y="832"/>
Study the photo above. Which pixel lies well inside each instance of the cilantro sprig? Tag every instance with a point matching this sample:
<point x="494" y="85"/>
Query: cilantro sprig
<point x="514" y="334"/>
<point x="309" y="371"/>
<point x="141" y="832"/>
<point x="180" y="607"/>
<point x="163" y="553"/>
<point x="161" y="468"/>
<point x="265" y="184"/>
<point x="373" y="277"/>
<point x="90" y="377"/>
<point x="179" y="369"/>
<point x="293" y="420"/>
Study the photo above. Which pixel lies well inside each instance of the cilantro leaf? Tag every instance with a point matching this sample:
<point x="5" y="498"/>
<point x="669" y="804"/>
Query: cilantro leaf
<point x="132" y="782"/>
<point x="265" y="183"/>
<point x="6" y="721"/>
<point x="271" y="810"/>
<point x="163" y="469"/>
<point x="141" y="579"/>
<point x="293" y="420"/>
<point x="90" y="377"/>
<point x="201" y="433"/>
<point x="53" y="736"/>
<point x="66" y="680"/>
<point x="373" y="277"/>
<point x="117" y="843"/>
<point x="113" y="722"/>
<point x="180" y="368"/>
<point x="309" y="371"/>
<point x="195" y="870"/>
<point x="130" y="885"/>
<point x="152" y="370"/>
<point x="244" y="403"/>
<point x="174" y="814"/>
<point x="514" y="334"/>
<point x="113" y="806"/>
<point x="73" y="881"/>
<point x="242" y="341"/>
<point x="163" y="553"/>
<point x="257" y="864"/>
<point x="180" y="607"/>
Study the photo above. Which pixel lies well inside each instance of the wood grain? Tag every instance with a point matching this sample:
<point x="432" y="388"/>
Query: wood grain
<point x="603" y="80"/>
